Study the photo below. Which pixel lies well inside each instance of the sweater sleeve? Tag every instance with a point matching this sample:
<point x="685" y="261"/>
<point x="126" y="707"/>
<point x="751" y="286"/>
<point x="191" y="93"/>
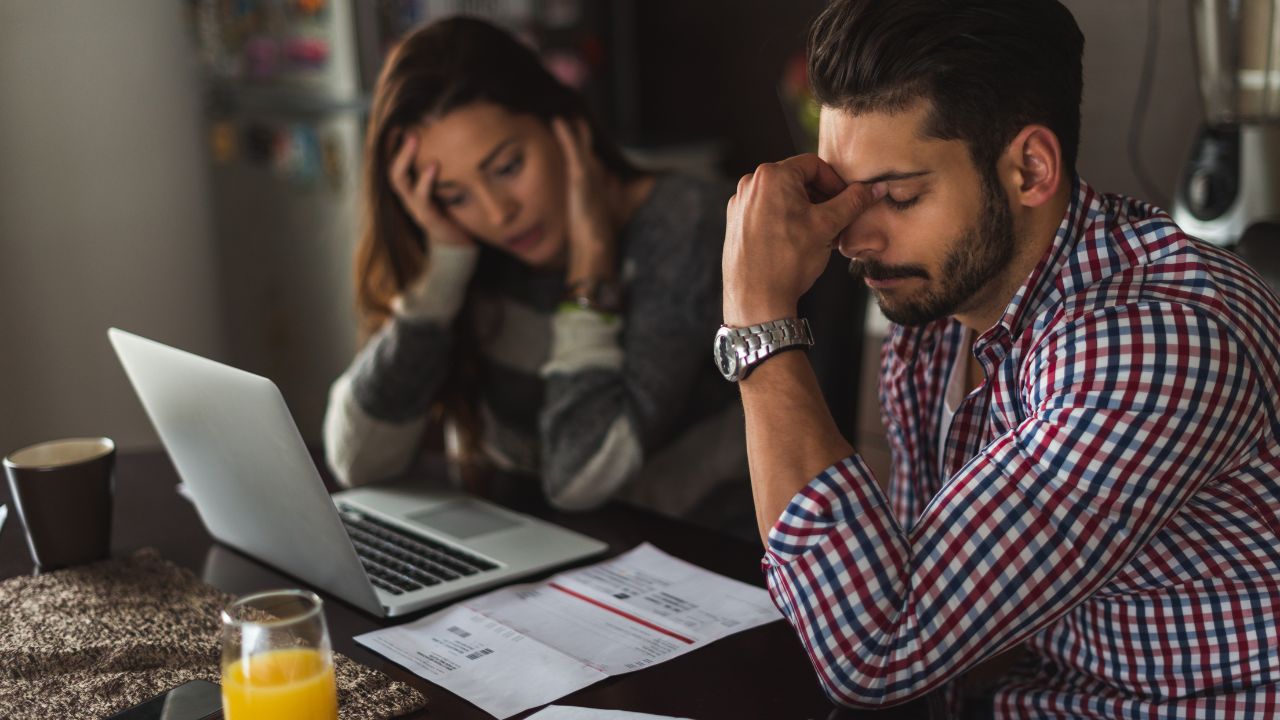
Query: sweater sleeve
<point x="616" y="388"/>
<point x="377" y="409"/>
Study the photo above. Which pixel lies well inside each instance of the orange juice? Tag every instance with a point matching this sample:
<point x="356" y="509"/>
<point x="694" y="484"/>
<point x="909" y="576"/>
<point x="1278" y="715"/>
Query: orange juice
<point x="291" y="683"/>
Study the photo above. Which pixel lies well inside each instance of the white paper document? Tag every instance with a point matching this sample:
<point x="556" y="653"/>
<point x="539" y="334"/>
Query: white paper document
<point x="526" y="645"/>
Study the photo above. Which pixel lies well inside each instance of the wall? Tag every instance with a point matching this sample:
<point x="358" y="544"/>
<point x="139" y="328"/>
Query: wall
<point x="1115" y="39"/>
<point x="709" y="71"/>
<point x="103" y="212"/>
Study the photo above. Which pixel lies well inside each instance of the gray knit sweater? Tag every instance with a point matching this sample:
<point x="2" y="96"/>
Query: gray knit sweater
<point x="593" y="406"/>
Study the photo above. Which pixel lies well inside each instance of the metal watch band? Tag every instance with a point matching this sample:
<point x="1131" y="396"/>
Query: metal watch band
<point x="763" y="340"/>
<point x="739" y="350"/>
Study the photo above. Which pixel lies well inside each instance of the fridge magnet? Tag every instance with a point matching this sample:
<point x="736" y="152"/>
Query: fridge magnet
<point x="222" y="142"/>
<point x="259" y="143"/>
<point x="304" y="156"/>
<point x="331" y="160"/>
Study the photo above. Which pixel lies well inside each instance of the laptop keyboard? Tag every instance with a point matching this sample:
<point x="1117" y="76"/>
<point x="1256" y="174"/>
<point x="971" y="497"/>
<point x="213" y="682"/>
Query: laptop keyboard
<point x="399" y="562"/>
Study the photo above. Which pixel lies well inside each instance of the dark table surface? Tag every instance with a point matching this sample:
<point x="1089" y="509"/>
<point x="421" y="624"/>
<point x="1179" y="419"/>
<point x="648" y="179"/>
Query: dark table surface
<point x="760" y="673"/>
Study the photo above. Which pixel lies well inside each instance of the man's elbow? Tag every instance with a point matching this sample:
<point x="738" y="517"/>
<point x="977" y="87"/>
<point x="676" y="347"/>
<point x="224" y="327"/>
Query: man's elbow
<point x="870" y="694"/>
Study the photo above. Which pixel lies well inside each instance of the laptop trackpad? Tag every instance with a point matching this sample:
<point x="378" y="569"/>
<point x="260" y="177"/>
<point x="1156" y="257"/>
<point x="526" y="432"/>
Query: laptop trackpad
<point x="463" y="519"/>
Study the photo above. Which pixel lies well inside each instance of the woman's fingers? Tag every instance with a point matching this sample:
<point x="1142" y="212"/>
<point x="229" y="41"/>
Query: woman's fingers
<point x="415" y="195"/>
<point x="591" y="167"/>
<point x="568" y="146"/>
<point x="436" y="223"/>
<point x="429" y="215"/>
<point x="422" y="189"/>
<point x="400" y="178"/>
<point x="584" y="138"/>
<point x="590" y="216"/>
<point x="575" y="143"/>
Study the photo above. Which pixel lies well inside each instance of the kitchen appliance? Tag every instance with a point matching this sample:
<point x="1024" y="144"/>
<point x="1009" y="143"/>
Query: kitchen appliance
<point x="1230" y="188"/>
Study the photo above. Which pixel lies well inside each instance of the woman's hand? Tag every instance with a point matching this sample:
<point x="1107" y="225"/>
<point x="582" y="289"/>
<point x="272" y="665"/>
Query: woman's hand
<point x="437" y="292"/>
<point x="590" y="218"/>
<point x="416" y="196"/>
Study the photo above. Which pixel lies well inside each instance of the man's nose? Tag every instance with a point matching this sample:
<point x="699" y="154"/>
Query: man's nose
<point x="861" y="238"/>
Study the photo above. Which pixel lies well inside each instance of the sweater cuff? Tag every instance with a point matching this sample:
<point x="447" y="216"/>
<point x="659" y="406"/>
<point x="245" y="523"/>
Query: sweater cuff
<point x="583" y="340"/>
<point x="438" y="294"/>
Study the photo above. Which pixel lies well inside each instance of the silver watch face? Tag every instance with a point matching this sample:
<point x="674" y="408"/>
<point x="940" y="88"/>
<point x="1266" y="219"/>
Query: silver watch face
<point x="726" y="358"/>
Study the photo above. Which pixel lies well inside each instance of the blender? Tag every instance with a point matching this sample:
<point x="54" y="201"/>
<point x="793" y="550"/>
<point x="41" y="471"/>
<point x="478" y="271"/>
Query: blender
<point x="1229" y="192"/>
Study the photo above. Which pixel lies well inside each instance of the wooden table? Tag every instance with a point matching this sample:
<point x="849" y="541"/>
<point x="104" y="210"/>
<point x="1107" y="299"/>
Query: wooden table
<point x="760" y="673"/>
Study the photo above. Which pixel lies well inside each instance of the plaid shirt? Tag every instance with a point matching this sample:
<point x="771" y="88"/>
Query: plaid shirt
<point x="1109" y="496"/>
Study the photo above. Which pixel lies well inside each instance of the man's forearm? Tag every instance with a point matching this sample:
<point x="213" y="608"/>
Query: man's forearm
<point x="777" y="242"/>
<point x="791" y="436"/>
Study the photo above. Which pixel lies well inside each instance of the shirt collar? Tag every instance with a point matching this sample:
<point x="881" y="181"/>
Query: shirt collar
<point x="1044" y="287"/>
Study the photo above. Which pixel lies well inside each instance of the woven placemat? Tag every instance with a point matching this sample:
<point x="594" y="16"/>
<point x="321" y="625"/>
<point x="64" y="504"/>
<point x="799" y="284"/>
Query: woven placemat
<point x="90" y="641"/>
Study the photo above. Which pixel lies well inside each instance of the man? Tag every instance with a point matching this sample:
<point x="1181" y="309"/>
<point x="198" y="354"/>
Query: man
<point x="1081" y="400"/>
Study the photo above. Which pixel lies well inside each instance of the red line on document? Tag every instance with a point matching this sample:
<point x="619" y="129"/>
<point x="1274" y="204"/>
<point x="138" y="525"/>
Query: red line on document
<point x="626" y="615"/>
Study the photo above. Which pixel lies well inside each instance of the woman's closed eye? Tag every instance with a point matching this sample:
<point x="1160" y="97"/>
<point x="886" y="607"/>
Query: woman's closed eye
<point x="451" y="200"/>
<point x="507" y="169"/>
<point x="510" y="167"/>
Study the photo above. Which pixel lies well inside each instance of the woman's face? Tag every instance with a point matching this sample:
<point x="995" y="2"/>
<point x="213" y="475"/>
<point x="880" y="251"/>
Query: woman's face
<point x="501" y="178"/>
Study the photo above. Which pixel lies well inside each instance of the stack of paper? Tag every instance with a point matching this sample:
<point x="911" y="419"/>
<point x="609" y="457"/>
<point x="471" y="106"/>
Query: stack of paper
<point x="527" y="645"/>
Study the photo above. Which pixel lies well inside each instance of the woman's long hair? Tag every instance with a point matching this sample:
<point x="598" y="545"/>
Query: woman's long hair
<point x="438" y="68"/>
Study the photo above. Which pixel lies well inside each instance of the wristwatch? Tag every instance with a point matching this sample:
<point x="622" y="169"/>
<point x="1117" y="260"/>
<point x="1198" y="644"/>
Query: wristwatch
<point x="738" y="351"/>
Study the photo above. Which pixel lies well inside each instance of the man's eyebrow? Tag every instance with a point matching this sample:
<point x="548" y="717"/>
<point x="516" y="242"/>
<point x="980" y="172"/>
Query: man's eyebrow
<point x="894" y="175"/>
<point x="484" y="163"/>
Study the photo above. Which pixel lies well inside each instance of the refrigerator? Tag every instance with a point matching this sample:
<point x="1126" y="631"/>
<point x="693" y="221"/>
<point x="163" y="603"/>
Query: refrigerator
<point x="287" y="88"/>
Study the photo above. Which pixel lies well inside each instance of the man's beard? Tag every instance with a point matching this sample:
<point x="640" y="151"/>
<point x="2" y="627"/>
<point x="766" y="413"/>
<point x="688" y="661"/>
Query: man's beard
<point x="973" y="261"/>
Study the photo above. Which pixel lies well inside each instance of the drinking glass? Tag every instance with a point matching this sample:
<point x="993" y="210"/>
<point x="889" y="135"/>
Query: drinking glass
<point x="276" y="658"/>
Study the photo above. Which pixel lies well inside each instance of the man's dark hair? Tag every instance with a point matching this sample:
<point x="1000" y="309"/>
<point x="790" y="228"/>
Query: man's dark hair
<point x="988" y="67"/>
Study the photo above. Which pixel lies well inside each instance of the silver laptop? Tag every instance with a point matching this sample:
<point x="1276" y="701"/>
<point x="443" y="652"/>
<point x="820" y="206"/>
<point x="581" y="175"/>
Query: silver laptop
<point x="388" y="549"/>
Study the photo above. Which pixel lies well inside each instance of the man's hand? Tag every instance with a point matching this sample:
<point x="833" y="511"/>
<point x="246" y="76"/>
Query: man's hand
<point x="779" y="230"/>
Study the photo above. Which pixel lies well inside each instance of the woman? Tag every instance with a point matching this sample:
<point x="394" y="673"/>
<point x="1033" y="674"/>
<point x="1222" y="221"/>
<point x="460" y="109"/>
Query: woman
<point x="518" y="275"/>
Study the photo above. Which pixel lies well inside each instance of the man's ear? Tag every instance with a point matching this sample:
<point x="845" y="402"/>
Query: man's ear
<point x="1032" y="166"/>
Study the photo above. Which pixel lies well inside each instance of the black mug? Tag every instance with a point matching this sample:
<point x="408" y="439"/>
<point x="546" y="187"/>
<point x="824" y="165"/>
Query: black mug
<point x="62" y="492"/>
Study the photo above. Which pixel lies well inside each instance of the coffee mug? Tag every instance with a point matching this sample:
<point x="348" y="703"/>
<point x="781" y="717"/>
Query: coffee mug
<point x="61" y="490"/>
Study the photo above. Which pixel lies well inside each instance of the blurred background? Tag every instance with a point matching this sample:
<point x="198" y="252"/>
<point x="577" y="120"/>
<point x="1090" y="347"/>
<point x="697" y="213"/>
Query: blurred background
<point x="188" y="170"/>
